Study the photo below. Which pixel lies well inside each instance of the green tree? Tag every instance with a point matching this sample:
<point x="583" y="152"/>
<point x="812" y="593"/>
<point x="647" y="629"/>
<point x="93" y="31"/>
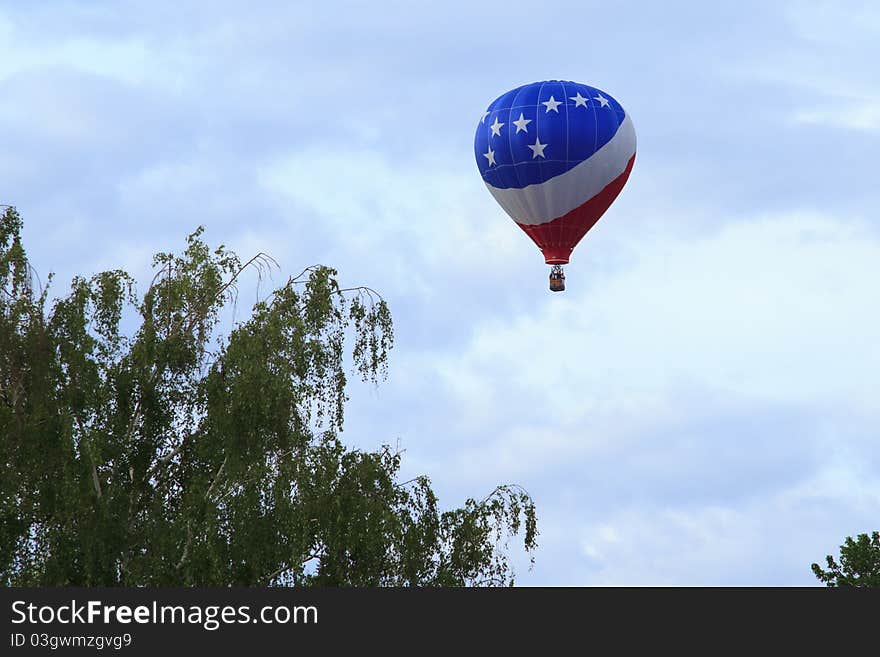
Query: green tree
<point x="859" y="563"/>
<point x="169" y="454"/>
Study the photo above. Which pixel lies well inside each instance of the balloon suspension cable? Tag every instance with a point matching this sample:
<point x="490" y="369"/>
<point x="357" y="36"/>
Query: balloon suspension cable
<point x="557" y="278"/>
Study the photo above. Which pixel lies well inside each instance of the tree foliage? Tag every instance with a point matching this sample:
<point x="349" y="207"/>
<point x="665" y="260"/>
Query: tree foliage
<point x="169" y="454"/>
<point x="859" y="563"/>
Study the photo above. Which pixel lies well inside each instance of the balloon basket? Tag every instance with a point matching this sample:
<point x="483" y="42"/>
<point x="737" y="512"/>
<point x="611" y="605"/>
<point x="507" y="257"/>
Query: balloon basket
<point x="557" y="279"/>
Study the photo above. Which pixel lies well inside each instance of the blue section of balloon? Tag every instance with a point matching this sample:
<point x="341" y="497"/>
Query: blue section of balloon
<point x="541" y="130"/>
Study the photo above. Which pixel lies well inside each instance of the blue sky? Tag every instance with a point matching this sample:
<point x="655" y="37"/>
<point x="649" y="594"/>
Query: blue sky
<point x="699" y="407"/>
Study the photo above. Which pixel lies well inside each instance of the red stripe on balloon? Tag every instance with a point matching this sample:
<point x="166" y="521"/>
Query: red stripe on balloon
<point x="558" y="237"/>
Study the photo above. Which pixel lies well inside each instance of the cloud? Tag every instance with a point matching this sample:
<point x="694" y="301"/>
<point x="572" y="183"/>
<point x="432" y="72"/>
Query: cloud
<point x="375" y="207"/>
<point x="757" y="309"/>
<point x="707" y="402"/>
<point x="829" y="62"/>
<point x="860" y="115"/>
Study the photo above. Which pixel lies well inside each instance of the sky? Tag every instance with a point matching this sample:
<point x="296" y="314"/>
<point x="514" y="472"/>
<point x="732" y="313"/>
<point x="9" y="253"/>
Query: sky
<point x="698" y="408"/>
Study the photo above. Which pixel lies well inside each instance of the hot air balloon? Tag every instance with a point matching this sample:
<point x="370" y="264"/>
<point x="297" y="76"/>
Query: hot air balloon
<point x="555" y="155"/>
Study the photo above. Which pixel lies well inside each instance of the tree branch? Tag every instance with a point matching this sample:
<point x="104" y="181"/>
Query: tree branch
<point x="216" y="478"/>
<point x="207" y="304"/>
<point x="185" y="554"/>
<point x="84" y="440"/>
<point x="164" y="459"/>
<point x="285" y="568"/>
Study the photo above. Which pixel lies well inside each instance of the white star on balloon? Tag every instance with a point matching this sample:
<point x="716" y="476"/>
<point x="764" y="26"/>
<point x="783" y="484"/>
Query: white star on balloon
<point x="496" y="128"/>
<point x="578" y="100"/>
<point x="537" y="148"/>
<point x="521" y="123"/>
<point x="552" y="104"/>
<point x="490" y="156"/>
<point x="602" y="100"/>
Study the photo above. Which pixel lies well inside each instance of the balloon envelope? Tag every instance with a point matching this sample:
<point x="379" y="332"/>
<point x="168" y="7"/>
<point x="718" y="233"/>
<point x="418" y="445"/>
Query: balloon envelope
<point x="555" y="155"/>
